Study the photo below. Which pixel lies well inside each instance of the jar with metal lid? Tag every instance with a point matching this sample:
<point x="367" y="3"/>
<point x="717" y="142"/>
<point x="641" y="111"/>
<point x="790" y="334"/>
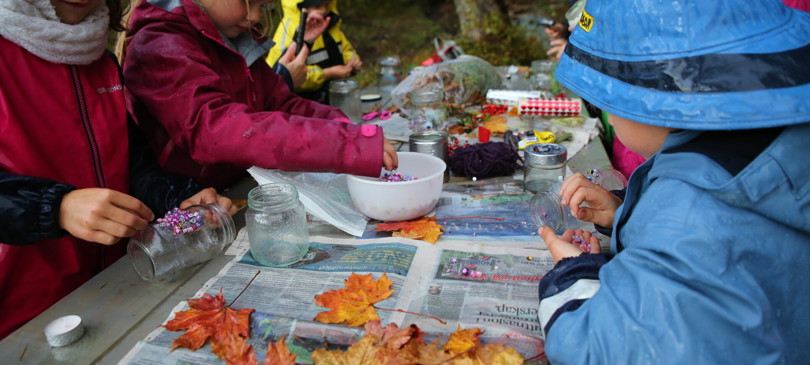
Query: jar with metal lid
<point x="431" y="143"/>
<point x="547" y="210"/>
<point x="277" y="225"/>
<point x="179" y="241"/>
<point x="544" y="165"/>
<point x="344" y="94"/>
<point x="427" y="110"/>
<point x="389" y="75"/>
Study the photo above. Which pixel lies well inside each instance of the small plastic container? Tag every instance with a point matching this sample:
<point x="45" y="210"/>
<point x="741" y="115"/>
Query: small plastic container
<point x="427" y="110"/>
<point x="345" y="95"/>
<point x="277" y="225"/>
<point x="544" y="165"/>
<point x="547" y="210"/>
<point x="163" y="252"/>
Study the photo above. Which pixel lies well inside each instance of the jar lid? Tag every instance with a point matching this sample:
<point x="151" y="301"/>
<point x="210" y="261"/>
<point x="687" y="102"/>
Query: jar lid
<point x="389" y="61"/>
<point x="547" y="211"/>
<point x="343" y="85"/>
<point x="545" y="154"/>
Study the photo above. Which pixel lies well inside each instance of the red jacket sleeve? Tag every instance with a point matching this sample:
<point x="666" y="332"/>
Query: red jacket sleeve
<point x="218" y="110"/>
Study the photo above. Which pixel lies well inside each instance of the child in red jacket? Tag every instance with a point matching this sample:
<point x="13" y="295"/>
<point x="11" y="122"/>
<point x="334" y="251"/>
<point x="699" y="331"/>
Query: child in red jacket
<point x="211" y="107"/>
<point x="74" y="180"/>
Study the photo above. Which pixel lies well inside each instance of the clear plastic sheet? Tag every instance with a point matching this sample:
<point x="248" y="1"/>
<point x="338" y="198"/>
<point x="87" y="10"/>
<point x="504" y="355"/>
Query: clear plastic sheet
<point x="324" y="195"/>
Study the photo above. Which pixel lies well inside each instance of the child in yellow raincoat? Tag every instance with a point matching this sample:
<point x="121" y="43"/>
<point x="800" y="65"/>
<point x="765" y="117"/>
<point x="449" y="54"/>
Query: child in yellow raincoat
<point x="331" y="56"/>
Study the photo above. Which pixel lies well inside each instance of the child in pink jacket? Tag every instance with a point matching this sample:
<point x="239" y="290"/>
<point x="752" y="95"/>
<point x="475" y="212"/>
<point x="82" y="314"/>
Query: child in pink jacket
<point x="211" y="107"/>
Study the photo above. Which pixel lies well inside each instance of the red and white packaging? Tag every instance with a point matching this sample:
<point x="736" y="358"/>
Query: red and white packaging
<point x="557" y="107"/>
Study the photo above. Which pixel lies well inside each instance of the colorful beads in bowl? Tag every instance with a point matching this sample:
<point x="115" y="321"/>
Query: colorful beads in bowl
<point x="394" y="176"/>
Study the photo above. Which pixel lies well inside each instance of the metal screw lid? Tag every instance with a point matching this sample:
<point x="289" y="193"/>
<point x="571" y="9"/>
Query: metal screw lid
<point x="545" y="154"/>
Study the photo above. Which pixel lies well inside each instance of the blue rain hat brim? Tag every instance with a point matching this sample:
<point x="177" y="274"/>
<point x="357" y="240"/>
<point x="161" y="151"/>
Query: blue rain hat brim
<point x="756" y="82"/>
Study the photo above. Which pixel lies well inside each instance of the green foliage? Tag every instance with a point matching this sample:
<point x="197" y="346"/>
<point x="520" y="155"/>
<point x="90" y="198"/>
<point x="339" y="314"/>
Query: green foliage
<point x="510" y="46"/>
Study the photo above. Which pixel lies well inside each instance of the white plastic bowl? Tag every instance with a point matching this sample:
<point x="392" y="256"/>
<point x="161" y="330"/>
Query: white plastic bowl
<point x="402" y="200"/>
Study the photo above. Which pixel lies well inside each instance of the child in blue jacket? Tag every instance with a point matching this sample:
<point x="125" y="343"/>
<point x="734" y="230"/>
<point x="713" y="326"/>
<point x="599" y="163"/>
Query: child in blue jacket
<point x="711" y="244"/>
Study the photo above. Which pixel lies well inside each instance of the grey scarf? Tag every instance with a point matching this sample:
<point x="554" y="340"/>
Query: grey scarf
<point x="34" y="26"/>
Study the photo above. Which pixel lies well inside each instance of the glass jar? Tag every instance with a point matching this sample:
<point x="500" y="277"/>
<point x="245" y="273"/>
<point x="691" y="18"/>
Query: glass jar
<point x="345" y="95"/>
<point x="389" y="75"/>
<point x="544" y="165"/>
<point x="180" y="241"/>
<point x="610" y="179"/>
<point x="427" y="110"/>
<point x="547" y="210"/>
<point x="277" y="225"/>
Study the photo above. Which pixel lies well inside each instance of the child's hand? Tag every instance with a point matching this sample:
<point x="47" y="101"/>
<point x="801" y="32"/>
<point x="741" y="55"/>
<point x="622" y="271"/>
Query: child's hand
<point x="316" y="25"/>
<point x="296" y="65"/>
<point x="102" y="215"/>
<point x="209" y="196"/>
<point x="557" y="48"/>
<point x="570" y="244"/>
<point x="390" y="158"/>
<point x="355" y="64"/>
<point x="602" y="204"/>
<point x="337" y="72"/>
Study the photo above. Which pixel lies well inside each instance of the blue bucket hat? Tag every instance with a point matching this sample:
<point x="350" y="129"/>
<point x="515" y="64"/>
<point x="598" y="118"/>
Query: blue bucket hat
<point x="692" y="64"/>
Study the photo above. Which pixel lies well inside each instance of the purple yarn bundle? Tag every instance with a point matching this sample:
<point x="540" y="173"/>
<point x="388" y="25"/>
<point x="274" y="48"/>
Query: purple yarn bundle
<point x="483" y="160"/>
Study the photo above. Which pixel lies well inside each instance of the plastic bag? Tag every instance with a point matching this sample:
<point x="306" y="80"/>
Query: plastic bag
<point x="324" y="195"/>
<point x="465" y="81"/>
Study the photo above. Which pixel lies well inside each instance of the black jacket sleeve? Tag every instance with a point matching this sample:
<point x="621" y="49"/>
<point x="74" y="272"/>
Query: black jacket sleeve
<point x="29" y="208"/>
<point x="285" y="74"/>
<point x="160" y="191"/>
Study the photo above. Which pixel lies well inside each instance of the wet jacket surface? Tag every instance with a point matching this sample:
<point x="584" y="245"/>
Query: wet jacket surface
<point x="328" y="50"/>
<point x="211" y="112"/>
<point x="711" y="264"/>
<point x="64" y="127"/>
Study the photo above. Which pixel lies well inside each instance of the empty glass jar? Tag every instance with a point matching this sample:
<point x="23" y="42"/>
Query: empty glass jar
<point x="427" y="110"/>
<point x="277" y="225"/>
<point x="180" y="241"/>
<point x="345" y="95"/>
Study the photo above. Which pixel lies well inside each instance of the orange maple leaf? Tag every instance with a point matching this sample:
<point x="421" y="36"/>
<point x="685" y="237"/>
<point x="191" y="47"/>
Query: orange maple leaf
<point x="208" y="317"/>
<point x="392" y="345"/>
<point x="389" y="345"/>
<point x="424" y="228"/>
<point x="279" y="354"/>
<point x="355" y="303"/>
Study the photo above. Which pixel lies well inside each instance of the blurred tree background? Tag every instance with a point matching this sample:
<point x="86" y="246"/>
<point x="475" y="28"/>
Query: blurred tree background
<point x="503" y="32"/>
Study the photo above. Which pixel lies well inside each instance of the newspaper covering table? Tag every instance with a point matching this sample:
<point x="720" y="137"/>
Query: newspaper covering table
<point x="426" y="278"/>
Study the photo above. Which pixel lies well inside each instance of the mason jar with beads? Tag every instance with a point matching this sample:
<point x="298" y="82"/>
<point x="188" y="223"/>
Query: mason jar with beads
<point x="182" y="239"/>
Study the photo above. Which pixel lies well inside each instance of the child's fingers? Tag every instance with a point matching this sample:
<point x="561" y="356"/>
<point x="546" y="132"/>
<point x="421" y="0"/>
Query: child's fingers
<point x="560" y="247"/>
<point x="570" y="185"/>
<point x="595" y="248"/>
<point x="302" y="56"/>
<point x="289" y="54"/>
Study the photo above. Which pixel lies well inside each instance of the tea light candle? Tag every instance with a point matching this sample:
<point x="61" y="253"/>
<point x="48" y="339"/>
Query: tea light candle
<point x="64" y="330"/>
